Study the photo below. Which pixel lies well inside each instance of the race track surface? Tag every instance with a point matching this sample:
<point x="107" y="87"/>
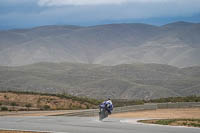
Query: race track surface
<point x="63" y="124"/>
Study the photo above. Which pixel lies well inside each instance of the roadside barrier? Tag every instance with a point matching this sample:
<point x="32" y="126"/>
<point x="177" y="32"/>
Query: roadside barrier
<point x="153" y="106"/>
<point x="178" y="105"/>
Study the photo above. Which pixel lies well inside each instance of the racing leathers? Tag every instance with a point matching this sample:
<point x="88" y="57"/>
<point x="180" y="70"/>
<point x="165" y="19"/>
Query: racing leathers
<point x="108" y="106"/>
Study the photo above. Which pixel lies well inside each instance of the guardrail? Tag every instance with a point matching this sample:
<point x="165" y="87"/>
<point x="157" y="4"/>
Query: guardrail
<point x="178" y="105"/>
<point x="154" y="106"/>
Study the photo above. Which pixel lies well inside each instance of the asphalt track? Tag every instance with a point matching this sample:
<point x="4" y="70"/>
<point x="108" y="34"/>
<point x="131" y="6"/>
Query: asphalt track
<point x="63" y="124"/>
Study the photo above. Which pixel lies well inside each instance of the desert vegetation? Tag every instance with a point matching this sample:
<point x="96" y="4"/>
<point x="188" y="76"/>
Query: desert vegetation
<point x="24" y="101"/>
<point x="126" y="102"/>
<point x="127" y="81"/>
<point x="176" y="99"/>
<point x="175" y="122"/>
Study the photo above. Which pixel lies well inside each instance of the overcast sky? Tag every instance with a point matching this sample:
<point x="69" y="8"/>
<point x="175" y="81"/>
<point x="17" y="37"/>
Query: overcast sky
<point x="30" y="13"/>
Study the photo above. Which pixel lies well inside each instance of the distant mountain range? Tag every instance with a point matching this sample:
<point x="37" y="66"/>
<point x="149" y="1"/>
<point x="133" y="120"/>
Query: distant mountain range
<point x="126" y="81"/>
<point x="176" y="44"/>
<point x="115" y="60"/>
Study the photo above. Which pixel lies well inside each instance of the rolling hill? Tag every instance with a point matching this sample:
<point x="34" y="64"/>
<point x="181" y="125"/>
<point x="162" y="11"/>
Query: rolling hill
<point x="174" y="44"/>
<point x="125" y="81"/>
<point x="126" y="61"/>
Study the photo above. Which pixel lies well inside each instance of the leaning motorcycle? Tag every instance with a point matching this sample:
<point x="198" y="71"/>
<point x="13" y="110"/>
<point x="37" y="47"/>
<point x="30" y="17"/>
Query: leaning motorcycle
<point x="103" y="113"/>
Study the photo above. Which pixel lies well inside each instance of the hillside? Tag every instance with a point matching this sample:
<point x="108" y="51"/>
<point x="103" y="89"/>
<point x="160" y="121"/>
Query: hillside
<point x="20" y="101"/>
<point x="174" y="44"/>
<point x="126" y="81"/>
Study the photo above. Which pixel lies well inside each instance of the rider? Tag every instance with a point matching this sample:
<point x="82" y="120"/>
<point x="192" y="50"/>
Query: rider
<point x="108" y="105"/>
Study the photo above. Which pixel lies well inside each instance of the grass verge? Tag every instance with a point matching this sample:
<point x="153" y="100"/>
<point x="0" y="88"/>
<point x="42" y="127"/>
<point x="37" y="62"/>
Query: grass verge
<point x="175" y="122"/>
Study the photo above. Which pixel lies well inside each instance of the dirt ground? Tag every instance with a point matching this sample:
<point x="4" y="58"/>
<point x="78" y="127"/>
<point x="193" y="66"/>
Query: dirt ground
<point x="175" y="122"/>
<point x="38" y="102"/>
<point x="162" y="113"/>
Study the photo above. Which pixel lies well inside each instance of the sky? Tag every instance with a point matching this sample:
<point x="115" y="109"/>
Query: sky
<point x="32" y="13"/>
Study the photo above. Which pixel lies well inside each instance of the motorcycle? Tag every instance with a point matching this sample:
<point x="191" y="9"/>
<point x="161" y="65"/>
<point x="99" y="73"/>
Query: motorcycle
<point x="103" y="112"/>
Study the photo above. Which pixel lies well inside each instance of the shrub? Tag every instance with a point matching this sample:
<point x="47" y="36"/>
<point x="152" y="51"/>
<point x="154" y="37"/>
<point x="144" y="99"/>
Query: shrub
<point x="21" y="109"/>
<point x="28" y="105"/>
<point x="195" y="124"/>
<point x="46" y="107"/>
<point x="13" y="104"/>
<point x="70" y="106"/>
<point x="6" y="97"/>
<point x="74" y="107"/>
<point x="4" y="108"/>
<point x="164" y="122"/>
<point x="87" y="106"/>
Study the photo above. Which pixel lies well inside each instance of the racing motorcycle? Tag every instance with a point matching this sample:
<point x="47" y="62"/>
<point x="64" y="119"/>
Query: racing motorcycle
<point x="103" y="112"/>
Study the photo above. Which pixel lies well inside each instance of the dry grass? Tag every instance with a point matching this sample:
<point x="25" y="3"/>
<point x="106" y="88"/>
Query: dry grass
<point x="38" y="102"/>
<point x="174" y="122"/>
<point x="174" y="117"/>
<point x="192" y="113"/>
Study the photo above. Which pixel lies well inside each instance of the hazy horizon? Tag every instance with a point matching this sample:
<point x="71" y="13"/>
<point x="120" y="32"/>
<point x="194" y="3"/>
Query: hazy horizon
<point x="17" y="14"/>
<point x="98" y="25"/>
